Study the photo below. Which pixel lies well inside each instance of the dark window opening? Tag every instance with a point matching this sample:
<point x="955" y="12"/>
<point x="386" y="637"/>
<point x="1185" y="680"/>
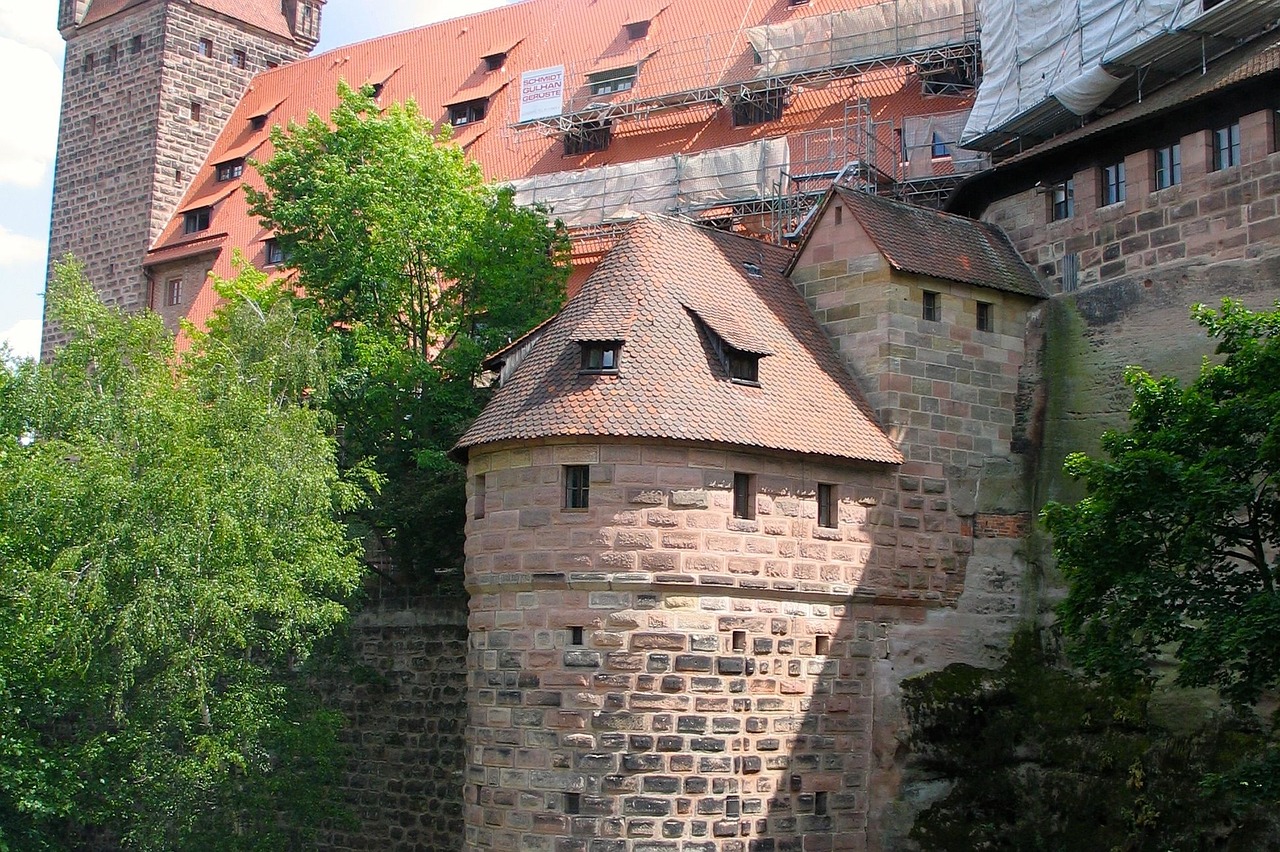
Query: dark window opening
<point x="600" y="356"/>
<point x="820" y="804"/>
<point x="195" y="111"/>
<point x="239" y="59"/>
<point x="592" y="136"/>
<point x="826" y="506"/>
<point x="575" y="636"/>
<point x="494" y="61"/>
<point x="1070" y="272"/>
<point x="744" y="496"/>
<point x="113" y="54"/>
<point x="469" y="112"/>
<point x="986" y="316"/>
<point x="738" y="641"/>
<point x="758" y="107"/>
<point x="931" y="306"/>
<point x="376" y="89"/>
<point x="573" y="803"/>
<point x="478" y="487"/>
<point x="275" y="257"/>
<point x="577" y="486"/>
<point x="743" y="366"/>
<point x="797" y="2"/>
<point x="1168" y="166"/>
<point x="756" y="58"/>
<point x="954" y="78"/>
<point x="194" y="221"/>
<point x="822" y="645"/>
<point x="173" y="292"/>
<point x="1062" y="200"/>
<point x="204" y="47"/>
<point x="230" y="170"/>
<point x="1113" y="189"/>
<point x="1226" y="146"/>
<point x="87" y="65"/>
<point x="611" y="82"/>
<point x="637" y="30"/>
<point x="258" y="122"/>
<point x="135" y="45"/>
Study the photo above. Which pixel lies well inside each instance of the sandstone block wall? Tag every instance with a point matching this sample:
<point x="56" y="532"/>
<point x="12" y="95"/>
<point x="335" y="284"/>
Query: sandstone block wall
<point x="653" y="673"/>
<point x="128" y="145"/>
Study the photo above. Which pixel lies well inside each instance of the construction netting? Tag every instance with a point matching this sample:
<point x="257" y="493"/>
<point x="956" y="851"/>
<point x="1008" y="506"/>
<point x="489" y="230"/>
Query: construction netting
<point x="1034" y="50"/>
<point x="929" y="139"/>
<point x="676" y="183"/>
<point x="855" y="36"/>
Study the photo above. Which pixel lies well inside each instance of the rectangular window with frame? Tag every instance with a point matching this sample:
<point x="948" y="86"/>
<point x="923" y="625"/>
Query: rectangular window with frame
<point x="173" y="292"/>
<point x="230" y="170"/>
<point x="194" y="221"/>
<point x="600" y="356"/>
<point x="239" y="59"/>
<point x="1113" y="189"/>
<point x="477" y="497"/>
<point x="986" y="317"/>
<point x="494" y="61"/>
<point x="1062" y="200"/>
<point x="612" y="81"/>
<point x="931" y="306"/>
<point x="1168" y="165"/>
<point x="744" y="367"/>
<point x="827" y="505"/>
<point x="275" y="252"/>
<point x="204" y="47"/>
<point x="744" y="496"/>
<point x="637" y="30"/>
<point x="1226" y="146"/>
<point x="469" y="112"/>
<point x="577" y="486"/>
<point x="195" y="111"/>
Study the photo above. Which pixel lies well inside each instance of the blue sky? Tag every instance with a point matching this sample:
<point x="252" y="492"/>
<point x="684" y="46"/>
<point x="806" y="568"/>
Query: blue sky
<point x="31" y="52"/>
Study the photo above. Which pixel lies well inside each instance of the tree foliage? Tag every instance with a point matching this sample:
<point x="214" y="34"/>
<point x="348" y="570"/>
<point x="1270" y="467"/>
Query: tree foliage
<point x="415" y="270"/>
<point x="170" y="558"/>
<point x="1175" y="544"/>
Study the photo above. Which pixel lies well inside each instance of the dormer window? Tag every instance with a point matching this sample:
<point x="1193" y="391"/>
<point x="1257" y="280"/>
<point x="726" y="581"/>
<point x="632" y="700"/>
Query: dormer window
<point x="612" y="81"/>
<point x="275" y="252"/>
<point x="495" y="61"/>
<point x="740" y="358"/>
<point x="258" y="122"/>
<point x="744" y="367"/>
<point x="600" y="356"/>
<point x="194" y="221"/>
<point x="758" y="107"/>
<point x="637" y="30"/>
<point x="230" y="170"/>
<point x="588" y="137"/>
<point x="468" y="112"/>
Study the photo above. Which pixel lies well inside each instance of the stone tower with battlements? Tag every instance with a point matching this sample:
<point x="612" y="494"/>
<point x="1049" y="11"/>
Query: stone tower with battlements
<point x="147" y="86"/>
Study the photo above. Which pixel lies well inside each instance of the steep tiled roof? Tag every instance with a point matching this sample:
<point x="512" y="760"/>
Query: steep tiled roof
<point x="942" y="245"/>
<point x="670" y="382"/>
<point x="442" y="63"/>
<point x="265" y="16"/>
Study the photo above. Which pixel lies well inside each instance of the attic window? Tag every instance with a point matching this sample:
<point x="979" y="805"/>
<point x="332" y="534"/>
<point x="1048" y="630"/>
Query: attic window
<point x="204" y="47"/>
<point x="744" y="367"/>
<point x="612" y="81"/>
<point x="196" y="220"/>
<point x="637" y="30"/>
<point x="588" y="137"/>
<point x="230" y="170"/>
<point x="758" y="107"/>
<point x="600" y="356"/>
<point x="494" y="61"/>
<point x="258" y="122"/>
<point x="753" y="269"/>
<point x="468" y="112"/>
<point x="275" y="252"/>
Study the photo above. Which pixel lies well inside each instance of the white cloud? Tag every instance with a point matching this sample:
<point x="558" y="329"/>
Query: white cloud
<point x="23" y="338"/>
<point x="30" y="59"/>
<point x="19" y="249"/>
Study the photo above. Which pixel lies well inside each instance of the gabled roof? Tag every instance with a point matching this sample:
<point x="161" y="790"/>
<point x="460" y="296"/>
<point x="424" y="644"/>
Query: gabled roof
<point x="941" y="245"/>
<point x="671" y="383"/>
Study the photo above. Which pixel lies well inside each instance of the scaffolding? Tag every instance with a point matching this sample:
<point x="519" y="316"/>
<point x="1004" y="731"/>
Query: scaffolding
<point x="721" y="69"/>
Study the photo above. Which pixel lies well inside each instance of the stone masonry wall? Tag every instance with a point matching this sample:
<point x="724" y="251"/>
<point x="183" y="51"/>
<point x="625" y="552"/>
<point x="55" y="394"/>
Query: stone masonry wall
<point x="406" y="712"/>
<point x="654" y="673"/>
<point x="128" y="145"/>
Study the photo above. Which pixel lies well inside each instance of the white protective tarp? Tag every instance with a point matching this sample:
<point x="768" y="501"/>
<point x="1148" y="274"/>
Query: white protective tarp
<point x="1033" y="50"/>
<point x="659" y="185"/>
<point x="883" y="30"/>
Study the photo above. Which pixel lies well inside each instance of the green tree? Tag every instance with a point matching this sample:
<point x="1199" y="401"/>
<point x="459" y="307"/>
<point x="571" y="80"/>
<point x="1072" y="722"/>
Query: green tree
<point x="169" y="559"/>
<point x="416" y="270"/>
<point x="1175" y="544"/>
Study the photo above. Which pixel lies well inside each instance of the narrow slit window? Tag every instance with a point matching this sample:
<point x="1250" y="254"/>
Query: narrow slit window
<point x="573" y="803"/>
<point x="87" y="65"/>
<point x="931" y="306"/>
<point x="820" y="804"/>
<point x="744" y="496"/>
<point x="738" y="641"/>
<point x="826" y="506"/>
<point x="173" y="292"/>
<point x="576" y="636"/>
<point x="195" y="111"/>
<point x="577" y="486"/>
<point x="478" y="497"/>
<point x="986" y="316"/>
<point x="822" y="645"/>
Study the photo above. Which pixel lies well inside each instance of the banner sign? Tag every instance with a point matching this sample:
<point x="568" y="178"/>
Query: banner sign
<point x="541" y="93"/>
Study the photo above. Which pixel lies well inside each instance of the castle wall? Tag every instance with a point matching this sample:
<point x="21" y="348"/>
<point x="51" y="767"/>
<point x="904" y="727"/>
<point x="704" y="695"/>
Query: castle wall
<point x="723" y="678"/>
<point x="129" y="143"/>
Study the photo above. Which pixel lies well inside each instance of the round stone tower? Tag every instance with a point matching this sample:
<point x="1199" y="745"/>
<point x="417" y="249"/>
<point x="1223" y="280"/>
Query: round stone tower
<point x="683" y="549"/>
<point x="147" y="86"/>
